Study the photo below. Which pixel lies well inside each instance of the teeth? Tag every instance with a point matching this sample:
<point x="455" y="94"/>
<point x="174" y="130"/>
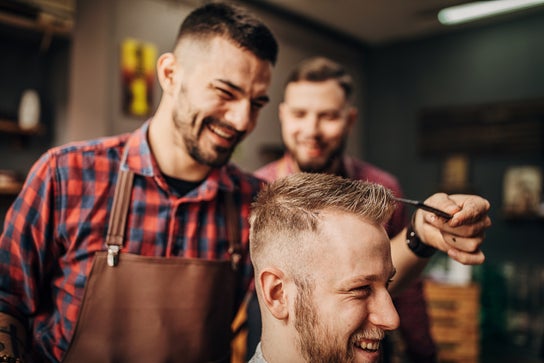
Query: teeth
<point x="370" y="346"/>
<point x="220" y="132"/>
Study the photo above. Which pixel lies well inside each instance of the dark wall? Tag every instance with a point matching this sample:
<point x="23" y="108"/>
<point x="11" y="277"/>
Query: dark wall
<point x="30" y="61"/>
<point x="469" y="67"/>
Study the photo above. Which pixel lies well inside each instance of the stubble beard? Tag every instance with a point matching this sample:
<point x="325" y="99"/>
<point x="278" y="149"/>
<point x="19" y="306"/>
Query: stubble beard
<point x="217" y="158"/>
<point x="314" y="342"/>
<point x="326" y="166"/>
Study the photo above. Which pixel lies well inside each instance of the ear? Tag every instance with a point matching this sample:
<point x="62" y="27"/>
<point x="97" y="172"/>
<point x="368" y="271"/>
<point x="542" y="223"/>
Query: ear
<point x="352" y="116"/>
<point x="282" y="109"/>
<point x="274" y="293"/>
<point x="166" y="67"/>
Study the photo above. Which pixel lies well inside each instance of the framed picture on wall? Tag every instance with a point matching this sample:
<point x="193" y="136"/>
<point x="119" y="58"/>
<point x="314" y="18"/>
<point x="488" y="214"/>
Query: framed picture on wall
<point x="522" y="195"/>
<point x="137" y="75"/>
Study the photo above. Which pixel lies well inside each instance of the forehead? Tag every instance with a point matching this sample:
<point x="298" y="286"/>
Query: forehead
<point x="354" y="247"/>
<point x="327" y="93"/>
<point x="219" y="58"/>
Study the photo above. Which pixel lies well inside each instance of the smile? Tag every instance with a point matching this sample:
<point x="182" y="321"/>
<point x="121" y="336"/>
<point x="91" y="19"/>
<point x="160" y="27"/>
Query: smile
<point x="369" y="346"/>
<point x="222" y="132"/>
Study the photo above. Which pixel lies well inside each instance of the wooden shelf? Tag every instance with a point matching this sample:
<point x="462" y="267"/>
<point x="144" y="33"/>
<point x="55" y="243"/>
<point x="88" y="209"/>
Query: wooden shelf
<point x="12" y="127"/>
<point x="43" y="22"/>
<point x="10" y="189"/>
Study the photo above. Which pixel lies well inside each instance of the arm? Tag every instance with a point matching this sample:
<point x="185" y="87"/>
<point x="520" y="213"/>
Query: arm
<point x="460" y="237"/>
<point x="22" y="244"/>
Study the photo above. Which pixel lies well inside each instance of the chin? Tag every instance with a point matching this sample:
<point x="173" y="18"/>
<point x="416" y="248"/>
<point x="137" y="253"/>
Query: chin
<point x="312" y="168"/>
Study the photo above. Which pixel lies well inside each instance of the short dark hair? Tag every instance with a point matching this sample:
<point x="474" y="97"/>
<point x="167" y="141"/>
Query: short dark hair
<point x="234" y="23"/>
<point x="319" y="69"/>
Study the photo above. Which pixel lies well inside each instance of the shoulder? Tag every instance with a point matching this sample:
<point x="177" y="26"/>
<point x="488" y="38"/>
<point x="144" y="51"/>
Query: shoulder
<point x="89" y="147"/>
<point x="268" y="172"/>
<point x="277" y="169"/>
<point x="74" y="158"/>
<point x="367" y="171"/>
<point x="244" y="181"/>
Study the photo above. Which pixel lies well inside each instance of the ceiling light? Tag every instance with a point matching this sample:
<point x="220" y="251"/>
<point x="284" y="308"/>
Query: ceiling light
<point x="481" y="9"/>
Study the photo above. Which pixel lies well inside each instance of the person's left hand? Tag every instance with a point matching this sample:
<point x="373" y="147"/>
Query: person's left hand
<point x="460" y="237"/>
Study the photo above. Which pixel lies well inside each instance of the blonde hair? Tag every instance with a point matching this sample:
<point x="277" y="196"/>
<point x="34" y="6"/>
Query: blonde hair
<point x="285" y="216"/>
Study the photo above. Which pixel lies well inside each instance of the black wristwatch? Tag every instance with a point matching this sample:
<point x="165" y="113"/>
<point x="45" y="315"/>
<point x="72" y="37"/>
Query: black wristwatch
<point x="9" y="359"/>
<point x="416" y="245"/>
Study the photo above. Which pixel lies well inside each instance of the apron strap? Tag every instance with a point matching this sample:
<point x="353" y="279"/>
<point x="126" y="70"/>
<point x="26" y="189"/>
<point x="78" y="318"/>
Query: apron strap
<point x="233" y="230"/>
<point x="118" y="216"/>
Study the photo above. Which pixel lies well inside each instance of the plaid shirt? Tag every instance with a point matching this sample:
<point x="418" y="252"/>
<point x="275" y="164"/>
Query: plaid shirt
<point x="60" y="220"/>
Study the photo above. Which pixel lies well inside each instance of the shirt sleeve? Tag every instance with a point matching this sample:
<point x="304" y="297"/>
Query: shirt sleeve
<point x="26" y="242"/>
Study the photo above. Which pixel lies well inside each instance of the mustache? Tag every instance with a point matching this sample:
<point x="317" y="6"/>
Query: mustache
<point x="373" y="334"/>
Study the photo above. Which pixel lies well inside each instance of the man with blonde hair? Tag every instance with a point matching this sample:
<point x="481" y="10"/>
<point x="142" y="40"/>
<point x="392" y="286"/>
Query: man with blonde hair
<point x="323" y="265"/>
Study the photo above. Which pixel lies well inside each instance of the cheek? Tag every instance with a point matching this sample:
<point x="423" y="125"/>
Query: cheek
<point x="334" y="130"/>
<point x="290" y="128"/>
<point x="348" y="318"/>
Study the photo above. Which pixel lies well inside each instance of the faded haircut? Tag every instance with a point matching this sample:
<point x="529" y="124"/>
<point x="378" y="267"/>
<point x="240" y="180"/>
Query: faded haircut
<point x="320" y="69"/>
<point x="288" y="210"/>
<point x="234" y="23"/>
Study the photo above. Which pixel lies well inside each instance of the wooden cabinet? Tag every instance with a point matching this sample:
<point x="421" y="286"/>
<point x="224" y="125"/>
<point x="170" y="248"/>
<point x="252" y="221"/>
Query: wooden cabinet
<point x="454" y="313"/>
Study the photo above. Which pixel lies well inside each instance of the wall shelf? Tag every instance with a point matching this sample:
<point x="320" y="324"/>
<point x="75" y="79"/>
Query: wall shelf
<point x="12" y="127"/>
<point x="10" y="189"/>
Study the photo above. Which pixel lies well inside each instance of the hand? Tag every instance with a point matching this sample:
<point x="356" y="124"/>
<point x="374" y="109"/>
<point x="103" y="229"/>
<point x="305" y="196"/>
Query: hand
<point x="460" y="237"/>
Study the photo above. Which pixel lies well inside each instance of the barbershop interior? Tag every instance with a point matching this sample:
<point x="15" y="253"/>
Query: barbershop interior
<point x="445" y="107"/>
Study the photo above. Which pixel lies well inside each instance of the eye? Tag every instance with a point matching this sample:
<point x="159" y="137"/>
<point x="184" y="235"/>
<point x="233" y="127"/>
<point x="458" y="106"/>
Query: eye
<point x="298" y="113"/>
<point x="224" y="93"/>
<point x="330" y="116"/>
<point x="362" y="291"/>
<point x="256" y="106"/>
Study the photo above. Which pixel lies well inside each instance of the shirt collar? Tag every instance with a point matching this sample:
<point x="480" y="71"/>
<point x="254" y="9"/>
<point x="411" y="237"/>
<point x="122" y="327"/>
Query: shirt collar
<point x="140" y="160"/>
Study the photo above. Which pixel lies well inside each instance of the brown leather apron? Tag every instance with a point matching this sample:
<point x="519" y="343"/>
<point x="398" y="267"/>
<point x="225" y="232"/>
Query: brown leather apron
<point x="153" y="309"/>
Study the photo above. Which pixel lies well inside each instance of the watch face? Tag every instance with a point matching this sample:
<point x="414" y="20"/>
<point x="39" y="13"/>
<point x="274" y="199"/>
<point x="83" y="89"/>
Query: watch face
<point x="29" y="110"/>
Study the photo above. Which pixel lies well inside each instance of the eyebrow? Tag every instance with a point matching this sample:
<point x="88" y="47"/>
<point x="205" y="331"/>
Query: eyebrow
<point x="263" y="98"/>
<point x="370" y="278"/>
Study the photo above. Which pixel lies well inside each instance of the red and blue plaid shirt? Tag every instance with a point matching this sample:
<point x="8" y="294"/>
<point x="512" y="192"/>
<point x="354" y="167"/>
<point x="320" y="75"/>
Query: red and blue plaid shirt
<point x="60" y="220"/>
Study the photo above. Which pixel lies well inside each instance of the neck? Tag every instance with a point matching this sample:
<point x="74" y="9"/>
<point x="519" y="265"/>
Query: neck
<point x="279" y="336"/>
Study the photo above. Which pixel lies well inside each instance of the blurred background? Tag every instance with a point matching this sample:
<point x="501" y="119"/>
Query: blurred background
<point x="455" y="108"/>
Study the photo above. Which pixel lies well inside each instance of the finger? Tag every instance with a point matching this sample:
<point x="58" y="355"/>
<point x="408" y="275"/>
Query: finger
<point x="473" y="209"/>
<point x="472" y="229"/>
<point x="464" y="244"/>
<point x="443" y="202"/>
<point x="474" y="258"/>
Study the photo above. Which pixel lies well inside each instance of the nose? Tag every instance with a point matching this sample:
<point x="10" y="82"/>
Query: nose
<point x="311" y="124"/>
<point x="239" y="115"/>
<point x="383" y="313"/>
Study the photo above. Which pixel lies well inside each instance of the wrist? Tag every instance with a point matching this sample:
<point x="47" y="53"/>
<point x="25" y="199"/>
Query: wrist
<point x="415" y="244"/>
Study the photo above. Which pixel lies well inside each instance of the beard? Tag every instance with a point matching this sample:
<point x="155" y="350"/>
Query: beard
<point x="323" y="166"/>
<point x="215" y="158"/>
<point x="314" y="341"/>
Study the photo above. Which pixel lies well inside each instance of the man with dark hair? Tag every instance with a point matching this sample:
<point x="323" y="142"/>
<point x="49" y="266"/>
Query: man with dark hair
<point x="316" y="116"/>
<point x="155" y="271"/>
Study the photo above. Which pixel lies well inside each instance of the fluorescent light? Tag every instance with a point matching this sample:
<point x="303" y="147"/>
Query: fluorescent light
<point x="481" y="9"/>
